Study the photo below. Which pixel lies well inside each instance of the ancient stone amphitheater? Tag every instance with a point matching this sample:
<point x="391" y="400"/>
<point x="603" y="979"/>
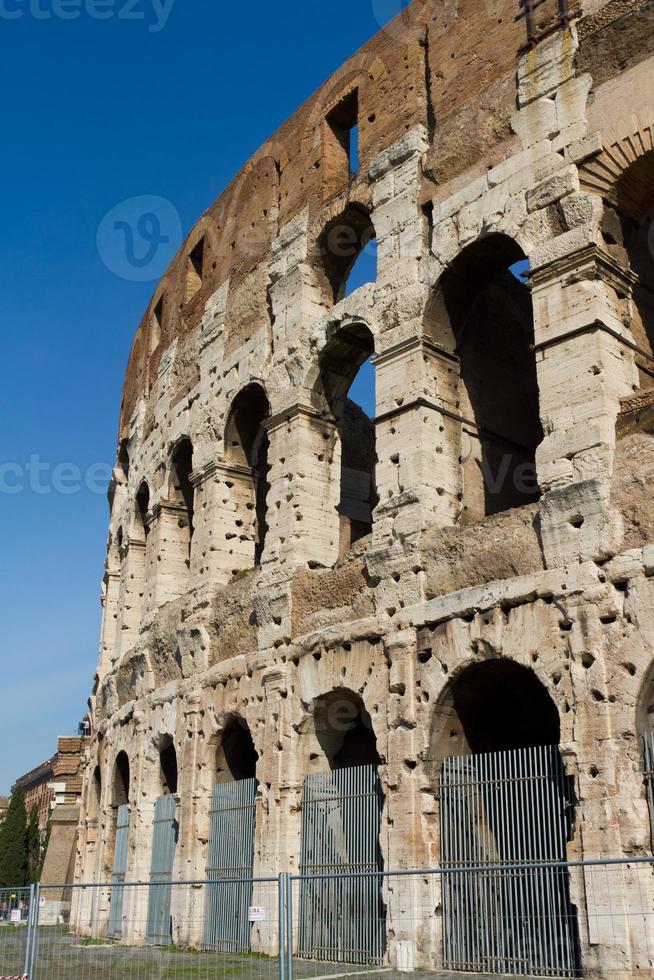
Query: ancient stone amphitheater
<point x="300" y="599"/>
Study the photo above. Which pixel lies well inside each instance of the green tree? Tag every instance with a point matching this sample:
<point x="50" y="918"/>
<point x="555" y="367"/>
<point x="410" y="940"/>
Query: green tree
<point x="13" y="843"/>
<point x="33" y="846"/>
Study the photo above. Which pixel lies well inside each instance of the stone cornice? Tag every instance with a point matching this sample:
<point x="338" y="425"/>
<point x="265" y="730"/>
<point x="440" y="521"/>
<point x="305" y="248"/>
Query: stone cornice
<point x="419" y="342"/>
<point x="590" y="262"/>
<point x="593" y="327"/>
<point x="294" y="412"/>
<point x="217" y="467"/>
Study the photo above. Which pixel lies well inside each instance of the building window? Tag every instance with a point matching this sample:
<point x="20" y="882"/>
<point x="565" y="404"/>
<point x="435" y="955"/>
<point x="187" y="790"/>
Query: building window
<point x="195" y="270"/>
<point x="155" y="325"/>
<point x="341" y="144"/>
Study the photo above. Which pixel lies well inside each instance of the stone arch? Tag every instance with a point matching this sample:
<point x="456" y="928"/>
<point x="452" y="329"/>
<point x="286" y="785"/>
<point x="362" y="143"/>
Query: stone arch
<point x="236" y="756"/>
<point x="481" y="313"/>
<point x="339" y="362"/>
<point x="168" y="768"/>
<point x="623" y="146"/>
<point x="337" y="246"/>
<point x="492" y="706"/>
<point x="121" y="780"/>
<point x="141" y="515"/>
<point x="177" y="517"/>
<point x="624" y="176"/>
<point x="95" y="793"/>
<point x="338" y="732"/>
<point x="246" y="452"/>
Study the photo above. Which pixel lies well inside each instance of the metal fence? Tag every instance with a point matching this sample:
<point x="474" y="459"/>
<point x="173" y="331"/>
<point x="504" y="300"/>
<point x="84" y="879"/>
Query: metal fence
<point x="512" y="807"/>
<point x="16" y="909"/>
<point x="611" y="903"/>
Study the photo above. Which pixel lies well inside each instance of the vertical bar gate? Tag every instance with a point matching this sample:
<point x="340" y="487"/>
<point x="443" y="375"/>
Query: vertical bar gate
<point x="342" y="919"/>
<point x="648" y="745"/>
<point x="506" y="808"/>
<point x="231" y="857"/>
<point x="115" y="927"/>
<point x="164" y="845"/>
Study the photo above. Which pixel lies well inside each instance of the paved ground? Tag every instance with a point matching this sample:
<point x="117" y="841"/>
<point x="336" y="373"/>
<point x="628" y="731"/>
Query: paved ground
<point x="64" y="957"/>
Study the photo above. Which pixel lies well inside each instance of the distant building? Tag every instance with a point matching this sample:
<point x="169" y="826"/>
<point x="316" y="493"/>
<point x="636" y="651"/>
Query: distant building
<point x="38" y="790"/>
<point x="4" y="806"/>
<point x="56" y="788"/>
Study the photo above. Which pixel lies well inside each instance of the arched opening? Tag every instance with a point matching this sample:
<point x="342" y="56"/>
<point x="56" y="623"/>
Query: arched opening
<point x="123" y="459"/>
<point x="230" y="852"/>
<point x="177" y="521"/>
<point x="505" y="798"/>
<point x="181" y="489"/>
<point x="118" y="843"/>
<point x="346" y="369"/>
<point x="236" y="758"/>
<point x="364" y="267"/>
<point x="168" y="766"/>
<point x="165" y="835"/>
<point x="247" y="446"/>
<point x="95" y="795"/>
<point x="628" y="231"/>
<point x="142" y="509"/>
<point x="494" y="706"/>
<point x="342" y="803"/>
<point x="344" y="731"/>
<point x="346" y="254"/>
<point x="482" y="312"/>
<point x="121" y="780"/>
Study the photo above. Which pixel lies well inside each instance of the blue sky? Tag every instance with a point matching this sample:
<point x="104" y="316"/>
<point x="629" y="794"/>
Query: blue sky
<point x="97" y="111"/>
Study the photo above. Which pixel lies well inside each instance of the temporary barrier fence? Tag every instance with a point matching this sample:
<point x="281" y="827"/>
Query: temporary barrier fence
<point x="612" y="902"/>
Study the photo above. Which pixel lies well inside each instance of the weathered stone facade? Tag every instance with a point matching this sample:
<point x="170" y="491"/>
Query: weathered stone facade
<point x="245" y="576"/>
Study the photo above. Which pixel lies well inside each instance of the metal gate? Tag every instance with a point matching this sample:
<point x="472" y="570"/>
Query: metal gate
<point x="648" y="743"/>
<point x="230" y="856"/>
<point x="341" y="918"/>
<point x="115" y="928"/>
<point x="507" y="808"/>
<point x="164" y="844"/>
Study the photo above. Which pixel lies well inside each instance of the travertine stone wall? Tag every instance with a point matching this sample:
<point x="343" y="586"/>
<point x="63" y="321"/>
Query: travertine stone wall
<point x="477" y="150"/>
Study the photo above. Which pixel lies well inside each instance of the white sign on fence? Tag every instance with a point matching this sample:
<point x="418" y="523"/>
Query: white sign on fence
<point x="256" y="913"/>
<point x="15" y="916"/>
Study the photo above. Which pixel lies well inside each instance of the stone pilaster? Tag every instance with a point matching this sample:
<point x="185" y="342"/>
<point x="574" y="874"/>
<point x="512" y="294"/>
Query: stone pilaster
<point x="303" y="519"/>
<point x="418" y="438"/>
<point x="585" y="361"/>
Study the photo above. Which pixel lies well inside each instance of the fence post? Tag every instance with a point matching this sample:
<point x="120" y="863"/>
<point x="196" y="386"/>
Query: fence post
<point x="281" y="924"/>
<point x="28" y="941"/>
<point x="289" y="927"/>
<point x="32" y="931"/>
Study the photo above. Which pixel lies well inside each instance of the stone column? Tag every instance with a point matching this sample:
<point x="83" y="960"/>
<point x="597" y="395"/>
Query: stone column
<point x="303" y="519"/>
<point x="167" y="571"/>
<point x="110" y="613"/>
<point x="144" y="771"/>
<point x="190" y="860"/>
<point x="132" y="581"/>
<point x="418" y="438"/>
<point x="585" y="360"/>
<point x="409" y="901"/>
<point x="224" y="537"/>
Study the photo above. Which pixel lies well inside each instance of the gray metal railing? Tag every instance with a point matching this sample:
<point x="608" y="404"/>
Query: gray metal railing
<point x="54" y="940"/>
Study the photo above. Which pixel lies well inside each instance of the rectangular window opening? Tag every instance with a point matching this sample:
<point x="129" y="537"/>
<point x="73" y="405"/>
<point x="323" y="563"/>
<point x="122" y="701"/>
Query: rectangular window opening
<point x="428" y="224"/>
<point x="155" y="325"/>
<point x="195" y="270"/>
<point x="343" y="147"/>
